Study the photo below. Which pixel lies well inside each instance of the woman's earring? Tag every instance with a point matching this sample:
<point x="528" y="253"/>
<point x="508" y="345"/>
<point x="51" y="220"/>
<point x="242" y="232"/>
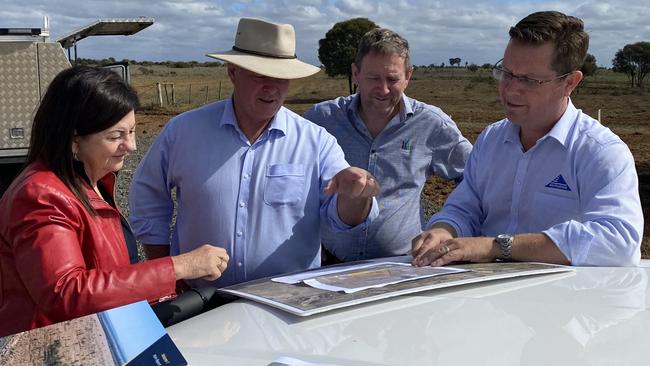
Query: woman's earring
<point x="75" y="155"/>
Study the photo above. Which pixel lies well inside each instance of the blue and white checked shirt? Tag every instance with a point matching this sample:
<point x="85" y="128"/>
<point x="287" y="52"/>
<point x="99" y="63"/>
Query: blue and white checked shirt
<point x="417" y="143"/>
<point x="263" y="203"/>
<point x="578" y="185"/>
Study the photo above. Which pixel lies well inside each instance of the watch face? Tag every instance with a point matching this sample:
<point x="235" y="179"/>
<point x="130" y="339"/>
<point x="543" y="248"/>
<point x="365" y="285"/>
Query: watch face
<point x="505" y="243"/>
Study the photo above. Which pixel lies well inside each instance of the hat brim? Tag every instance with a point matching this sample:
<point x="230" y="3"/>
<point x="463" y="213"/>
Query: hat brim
<point x="279" y="68"/>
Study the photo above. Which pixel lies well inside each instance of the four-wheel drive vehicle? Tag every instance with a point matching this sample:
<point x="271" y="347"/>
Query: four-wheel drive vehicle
<point x="586" y="316"/>
<point x="28" y="62"/>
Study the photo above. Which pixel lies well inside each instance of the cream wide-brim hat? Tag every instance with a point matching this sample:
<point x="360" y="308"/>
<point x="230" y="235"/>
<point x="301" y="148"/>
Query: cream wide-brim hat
<point x="267" y="49"/>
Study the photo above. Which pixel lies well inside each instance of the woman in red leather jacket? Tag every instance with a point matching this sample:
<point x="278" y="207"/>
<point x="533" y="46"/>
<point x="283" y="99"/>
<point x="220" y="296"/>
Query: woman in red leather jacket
<point x="62" y="238"/>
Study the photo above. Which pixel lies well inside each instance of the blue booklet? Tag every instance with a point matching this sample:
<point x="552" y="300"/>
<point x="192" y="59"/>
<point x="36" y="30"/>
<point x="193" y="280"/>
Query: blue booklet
<point x="128" y="335"/>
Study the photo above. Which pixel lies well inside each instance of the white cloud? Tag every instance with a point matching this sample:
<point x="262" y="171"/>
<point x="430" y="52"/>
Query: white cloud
<point x="357" y="6"/>
<point x="476" y="31"/>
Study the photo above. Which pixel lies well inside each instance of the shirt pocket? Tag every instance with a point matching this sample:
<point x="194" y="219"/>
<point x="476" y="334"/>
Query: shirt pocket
<point x="550" y="209"/>
<point x="285" y="184"/>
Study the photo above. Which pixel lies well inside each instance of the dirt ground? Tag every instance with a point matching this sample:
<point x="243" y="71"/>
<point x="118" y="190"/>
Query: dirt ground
<point x="472" y="101"/>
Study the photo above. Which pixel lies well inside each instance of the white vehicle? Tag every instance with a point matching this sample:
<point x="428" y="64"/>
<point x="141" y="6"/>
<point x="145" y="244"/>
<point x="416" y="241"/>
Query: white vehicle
<point x="28" y="62"/>
<point x="589" y="316"/>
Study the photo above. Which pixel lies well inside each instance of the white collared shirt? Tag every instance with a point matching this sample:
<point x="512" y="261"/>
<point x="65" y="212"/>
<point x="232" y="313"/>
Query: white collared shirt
<point x="577" y="184"/>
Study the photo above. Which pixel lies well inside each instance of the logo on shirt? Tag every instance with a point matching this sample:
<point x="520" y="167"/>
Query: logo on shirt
<point x="559" y="183"/>
<point x="407" y="145"/>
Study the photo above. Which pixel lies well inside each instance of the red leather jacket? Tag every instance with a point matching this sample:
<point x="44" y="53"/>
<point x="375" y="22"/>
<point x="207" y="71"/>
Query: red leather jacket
<point x="58" y="261"/>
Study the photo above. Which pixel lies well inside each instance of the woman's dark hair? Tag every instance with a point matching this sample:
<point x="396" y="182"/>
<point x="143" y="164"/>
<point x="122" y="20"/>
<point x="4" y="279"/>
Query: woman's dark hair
<point x="79" y="101"/>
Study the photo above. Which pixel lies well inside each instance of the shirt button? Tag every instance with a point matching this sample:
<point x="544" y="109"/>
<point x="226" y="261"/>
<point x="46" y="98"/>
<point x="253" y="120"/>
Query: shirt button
<point x="246" y="176"/>
<point x="239" y="264"/>
<point x="242" y="204"/>
<point x="239" y="233"/>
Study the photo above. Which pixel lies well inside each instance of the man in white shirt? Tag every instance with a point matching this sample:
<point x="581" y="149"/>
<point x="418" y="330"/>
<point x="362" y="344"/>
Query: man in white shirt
<point x="547" y="183"/>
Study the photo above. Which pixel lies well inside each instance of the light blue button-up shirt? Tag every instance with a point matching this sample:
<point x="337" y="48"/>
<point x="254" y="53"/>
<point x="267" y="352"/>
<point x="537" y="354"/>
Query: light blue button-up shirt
<point x="262" y="202"/>
<point x="420" y="141"/>
<point x="577" y="184"/>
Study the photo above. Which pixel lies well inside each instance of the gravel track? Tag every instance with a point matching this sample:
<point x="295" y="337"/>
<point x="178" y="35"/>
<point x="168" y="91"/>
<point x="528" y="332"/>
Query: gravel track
<point x="144" y="141"/>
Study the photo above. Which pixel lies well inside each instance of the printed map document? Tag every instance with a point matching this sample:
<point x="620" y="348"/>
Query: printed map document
<point x="353" y="279"/>
<point x="300" y="299"/>
<point x="301" y="276"/>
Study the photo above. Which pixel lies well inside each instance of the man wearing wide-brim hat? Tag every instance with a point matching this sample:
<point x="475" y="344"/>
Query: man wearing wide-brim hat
<point x="250" y="175"/>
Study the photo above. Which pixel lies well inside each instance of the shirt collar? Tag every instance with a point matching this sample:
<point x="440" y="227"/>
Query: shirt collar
<point x="405" y="111"/>
<point x="559" y="132"/>
<point x="228" y="117"/>
<point x="279" y="121"/>
<point x="354" y="103"/>
<point x="512" y="134"/>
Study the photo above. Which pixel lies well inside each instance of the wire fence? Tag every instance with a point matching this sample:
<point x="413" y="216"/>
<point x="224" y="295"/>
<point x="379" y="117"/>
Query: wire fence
<point x="169" y="94"/>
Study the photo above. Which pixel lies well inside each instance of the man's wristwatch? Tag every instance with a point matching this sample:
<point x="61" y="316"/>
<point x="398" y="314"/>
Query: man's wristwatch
<point x="505" y="243"/>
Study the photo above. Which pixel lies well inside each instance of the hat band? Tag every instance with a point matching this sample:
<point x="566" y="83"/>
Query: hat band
<point x="262" y="53"/>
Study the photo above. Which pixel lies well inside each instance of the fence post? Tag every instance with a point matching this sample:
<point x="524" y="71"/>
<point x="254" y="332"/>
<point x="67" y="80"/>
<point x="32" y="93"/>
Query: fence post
<point x="206" y="94"/>
<point x="189" y="96"/>
<point x="160" y="100"/>
<point x="219" y="95"/>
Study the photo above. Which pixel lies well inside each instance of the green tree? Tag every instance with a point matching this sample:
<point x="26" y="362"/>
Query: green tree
<point x="633" y="60"/>
<point x="454" y="61"/>
<point x="339" y="47"/>
<point x="589" y="67"/>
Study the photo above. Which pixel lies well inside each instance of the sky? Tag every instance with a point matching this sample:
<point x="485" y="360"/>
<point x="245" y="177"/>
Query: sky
<point x="185" y="30"/>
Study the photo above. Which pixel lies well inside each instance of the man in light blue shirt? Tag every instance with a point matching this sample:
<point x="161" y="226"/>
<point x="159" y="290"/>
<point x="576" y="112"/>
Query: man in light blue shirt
<point x="548" y="183"/>
<point x="249" y="175"/>
<point x="400" y="140"/>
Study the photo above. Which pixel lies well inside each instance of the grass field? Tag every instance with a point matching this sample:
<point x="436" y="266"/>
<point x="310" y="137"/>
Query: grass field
<point x="469" y="97"/>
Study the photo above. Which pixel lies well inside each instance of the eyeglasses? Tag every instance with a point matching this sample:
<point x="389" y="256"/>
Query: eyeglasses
<point x="503" y="75"/>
